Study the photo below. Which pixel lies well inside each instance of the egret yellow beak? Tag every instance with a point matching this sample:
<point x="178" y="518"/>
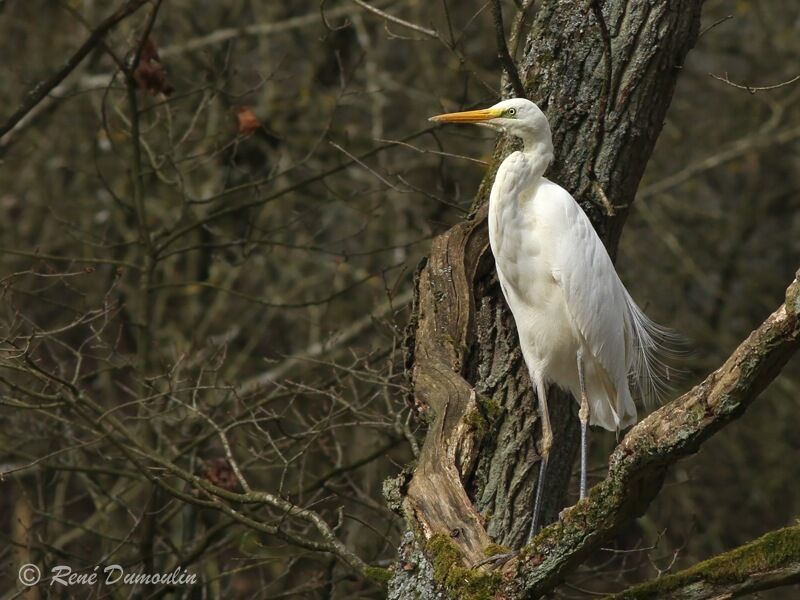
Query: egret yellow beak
<point x="469" y="116"/>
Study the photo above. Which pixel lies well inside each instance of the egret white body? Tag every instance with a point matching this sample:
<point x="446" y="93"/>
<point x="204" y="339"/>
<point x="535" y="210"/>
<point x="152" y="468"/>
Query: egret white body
<point x="564" y="293"/>
<point x="578" y="327"/>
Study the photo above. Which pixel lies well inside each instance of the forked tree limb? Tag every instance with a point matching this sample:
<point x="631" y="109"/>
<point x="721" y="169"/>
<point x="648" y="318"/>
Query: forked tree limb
<point x="771" y="561"/>
<point x="638" y="465"/>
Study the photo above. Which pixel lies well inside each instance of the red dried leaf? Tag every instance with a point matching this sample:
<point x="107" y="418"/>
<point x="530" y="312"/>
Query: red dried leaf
<point x="149" y="73"/>
<point x="248" y="122"/>
<point x="219" y="472"/>
<point x="149" y="51"/>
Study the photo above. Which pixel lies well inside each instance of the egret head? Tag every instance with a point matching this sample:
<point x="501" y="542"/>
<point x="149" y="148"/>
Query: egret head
<point x="517" y="116"/>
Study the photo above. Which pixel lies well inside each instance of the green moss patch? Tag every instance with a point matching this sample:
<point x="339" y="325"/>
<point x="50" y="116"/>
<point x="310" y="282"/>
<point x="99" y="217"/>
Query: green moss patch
<point x="379" y="574"/>
<point x="457" y="580"/>
<point x="475" y="420"/>
<point x="490" y="407"/>
<point x="495" y="549"/>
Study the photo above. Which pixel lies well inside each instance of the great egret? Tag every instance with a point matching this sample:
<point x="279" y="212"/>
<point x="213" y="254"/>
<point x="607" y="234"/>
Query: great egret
<point x="578" y="326"/>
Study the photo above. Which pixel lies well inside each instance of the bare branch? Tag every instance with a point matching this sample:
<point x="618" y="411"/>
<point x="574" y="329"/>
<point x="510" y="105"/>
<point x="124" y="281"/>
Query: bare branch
<point x="771" y="561"/>
<point x="753" y="89"/>
<point x="398" y="21"/>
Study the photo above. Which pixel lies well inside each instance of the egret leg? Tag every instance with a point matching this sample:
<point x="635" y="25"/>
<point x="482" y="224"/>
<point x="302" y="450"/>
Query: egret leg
<point x="547" y="443"/>
<point x="583" y="416"/>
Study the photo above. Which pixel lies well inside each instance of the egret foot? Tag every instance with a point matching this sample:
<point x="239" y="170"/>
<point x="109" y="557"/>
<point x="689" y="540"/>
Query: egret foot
<point x="547" y="443"/>
<point x="584" y="452"/>
<point x="537" y="505"/>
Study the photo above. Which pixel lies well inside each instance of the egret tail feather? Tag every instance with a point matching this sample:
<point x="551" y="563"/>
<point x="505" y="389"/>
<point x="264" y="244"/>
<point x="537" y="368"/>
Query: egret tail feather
<point x="655" y="349"/>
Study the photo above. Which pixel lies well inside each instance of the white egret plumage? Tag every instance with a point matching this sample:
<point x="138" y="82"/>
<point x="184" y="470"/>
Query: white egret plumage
<point x="578" y="327"/>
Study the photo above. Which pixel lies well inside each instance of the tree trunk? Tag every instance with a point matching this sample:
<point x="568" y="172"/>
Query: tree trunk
<point x="605" y="87"/>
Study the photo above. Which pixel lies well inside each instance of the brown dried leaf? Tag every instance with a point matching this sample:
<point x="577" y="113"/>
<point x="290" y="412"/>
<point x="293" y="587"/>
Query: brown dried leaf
<point x="248" y="122"/>
<point x="149" y="73"/>
<point x="219" y="472"/>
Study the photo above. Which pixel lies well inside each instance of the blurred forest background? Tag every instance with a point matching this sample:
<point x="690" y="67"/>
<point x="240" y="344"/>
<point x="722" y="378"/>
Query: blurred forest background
<point x="206" y="271"/>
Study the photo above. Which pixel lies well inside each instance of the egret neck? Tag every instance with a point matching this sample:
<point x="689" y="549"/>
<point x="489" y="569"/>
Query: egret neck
<point x="537" y="154"/>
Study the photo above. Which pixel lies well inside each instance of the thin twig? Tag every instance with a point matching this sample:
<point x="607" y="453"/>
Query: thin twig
<point x="221" y="36"/>
<point x="520" y="22"/>
<point x="502" y="51"/>
<point x="450" y="31"/>
<point x="398" y="21"/>
<point x="339" y="339"/>
<point x="714" y="24"/>
<point x="753" y="89"/>
<point x="360" y="163"/>
<point x="67" y="258"/>
<point x="603" y="198"/>
<point x="436" y="152"/>
<point x="601" y="23"/>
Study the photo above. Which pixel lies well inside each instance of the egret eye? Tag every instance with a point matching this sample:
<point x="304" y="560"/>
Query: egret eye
<point x="511" y="112"/>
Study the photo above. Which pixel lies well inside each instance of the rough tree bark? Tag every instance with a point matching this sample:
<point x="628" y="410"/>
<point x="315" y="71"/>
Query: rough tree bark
<point x="605" y="78"/>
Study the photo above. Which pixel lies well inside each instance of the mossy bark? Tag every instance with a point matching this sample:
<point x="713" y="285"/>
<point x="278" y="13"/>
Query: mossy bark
<point x="771" y="561"/>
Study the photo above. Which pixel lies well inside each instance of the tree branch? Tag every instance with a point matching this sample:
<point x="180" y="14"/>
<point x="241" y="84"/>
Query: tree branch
<point x="771" y="561"/>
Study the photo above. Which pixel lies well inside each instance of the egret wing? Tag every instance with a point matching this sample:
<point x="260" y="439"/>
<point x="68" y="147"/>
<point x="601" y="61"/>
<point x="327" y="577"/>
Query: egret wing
<point x="621" y="337"/>
<point x="595" y="296"/>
